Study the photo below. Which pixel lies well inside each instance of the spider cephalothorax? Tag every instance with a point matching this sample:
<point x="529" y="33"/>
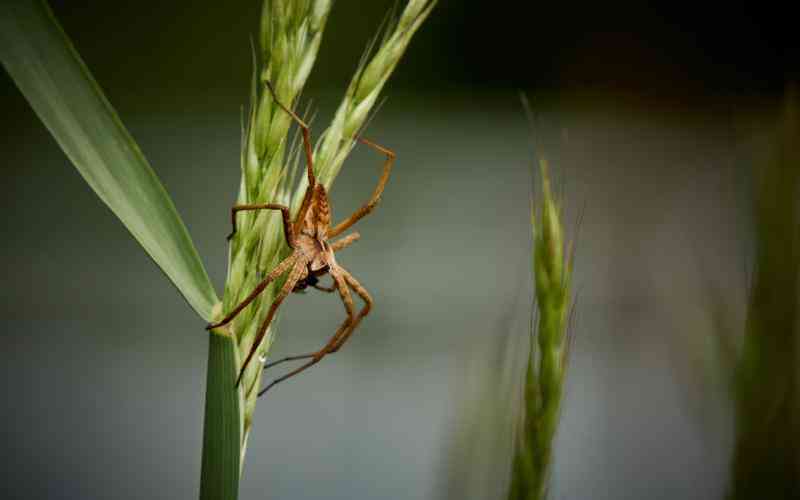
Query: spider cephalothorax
<point x="312" y="256"/>
<point x="312" y="240"/>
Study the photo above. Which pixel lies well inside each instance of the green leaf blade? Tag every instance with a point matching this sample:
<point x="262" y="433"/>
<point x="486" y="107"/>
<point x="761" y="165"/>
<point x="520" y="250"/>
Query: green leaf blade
<point x="54" y="79"/>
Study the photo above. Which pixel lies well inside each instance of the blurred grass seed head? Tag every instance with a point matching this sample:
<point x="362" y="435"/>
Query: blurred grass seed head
<point x="544" y="381"/>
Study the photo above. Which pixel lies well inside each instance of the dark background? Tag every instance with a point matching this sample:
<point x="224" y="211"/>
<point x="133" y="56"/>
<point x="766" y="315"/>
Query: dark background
<point x="666" y="50"/>
<point x="653" y="116"/>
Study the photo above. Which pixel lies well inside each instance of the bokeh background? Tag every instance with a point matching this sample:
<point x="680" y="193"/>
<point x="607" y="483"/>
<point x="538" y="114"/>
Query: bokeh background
<point x="653" y="117"/>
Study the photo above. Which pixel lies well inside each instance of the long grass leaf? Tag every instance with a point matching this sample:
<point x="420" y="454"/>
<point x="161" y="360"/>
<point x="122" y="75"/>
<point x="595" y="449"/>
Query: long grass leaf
<point x="54" y="79"/>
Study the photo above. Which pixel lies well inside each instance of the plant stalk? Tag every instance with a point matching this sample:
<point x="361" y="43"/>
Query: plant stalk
<point x="222" y="427"/>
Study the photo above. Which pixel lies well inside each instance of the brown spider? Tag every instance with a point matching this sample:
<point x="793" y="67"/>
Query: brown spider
<point x="312" y="255"/>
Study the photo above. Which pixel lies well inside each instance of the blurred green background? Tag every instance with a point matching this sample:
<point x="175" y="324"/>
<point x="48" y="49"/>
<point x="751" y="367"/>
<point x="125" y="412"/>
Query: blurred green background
<point x="653" y="118"/>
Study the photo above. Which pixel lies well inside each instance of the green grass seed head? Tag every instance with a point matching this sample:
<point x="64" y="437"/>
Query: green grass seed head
<point x="546" y="368"/>
<point x="291" y="32"/>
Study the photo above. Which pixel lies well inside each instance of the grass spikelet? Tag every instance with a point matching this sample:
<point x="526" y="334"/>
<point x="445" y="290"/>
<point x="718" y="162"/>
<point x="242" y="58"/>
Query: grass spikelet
<point x="547" y="362"/>
<point x="364" y="89"/>
<point x="291" y="32"/>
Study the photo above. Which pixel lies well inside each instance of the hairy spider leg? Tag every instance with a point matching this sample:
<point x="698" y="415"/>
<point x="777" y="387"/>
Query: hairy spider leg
<point x="309" y="150"/>
<point x="281" y="268"/>
<point x="297" y="272"/>
<point x="345" y="242"/>
<point x="286" y="359"/>
<point x="347" y="299"/>
<point x="335" y="246"/>
<point x="368" y="303"/>
<point x="288" y="228"/>
<point x="376" y="195"/>
<point x="342" y="334"/>
<point x="349" y="308"/>
<point x="326" y="289"/>
<point x="305" y="131"/>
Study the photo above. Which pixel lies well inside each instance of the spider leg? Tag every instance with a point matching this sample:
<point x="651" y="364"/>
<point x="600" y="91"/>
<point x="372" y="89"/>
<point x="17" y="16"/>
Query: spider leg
<point x="376" y="195"/>
<point x="321" y="288"/>
<point x="347" y="299"/>
<point x="269" y="365"/>
<point x="279" y="270"/>
<point x="288" y="229"/>
<point x="306" y="135"/>
<point x="309" y="150"/>
<point x="326" y="289"/>
<point x="368" y="303"/>
<point x="294" y="276"/>
<point x="345" y="242"/>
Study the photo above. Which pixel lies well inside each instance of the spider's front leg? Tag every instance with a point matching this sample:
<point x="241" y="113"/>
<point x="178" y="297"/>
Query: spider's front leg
<point x="376" y="195"/>
<point x="309" y="150"/>
<point x="288" y="229"/>
<point x="345" y="242"/>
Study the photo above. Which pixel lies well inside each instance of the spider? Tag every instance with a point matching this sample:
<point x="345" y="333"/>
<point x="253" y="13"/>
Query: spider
<point x="312" y="255"/>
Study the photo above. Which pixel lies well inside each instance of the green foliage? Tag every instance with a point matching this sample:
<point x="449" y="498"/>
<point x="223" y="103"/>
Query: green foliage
<point x="45" y="66"/>
<point x="767" y="387"/>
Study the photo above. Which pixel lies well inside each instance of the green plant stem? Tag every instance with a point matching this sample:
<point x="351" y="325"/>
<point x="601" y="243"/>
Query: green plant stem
<point x="222" y="428"/>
